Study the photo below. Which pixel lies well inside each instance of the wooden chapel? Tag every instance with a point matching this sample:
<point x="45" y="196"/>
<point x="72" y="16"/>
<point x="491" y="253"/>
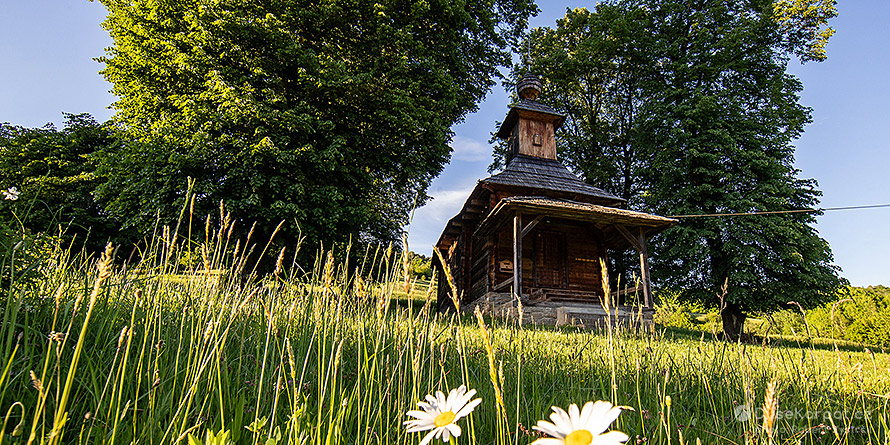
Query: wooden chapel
<point x="536" y="234"/>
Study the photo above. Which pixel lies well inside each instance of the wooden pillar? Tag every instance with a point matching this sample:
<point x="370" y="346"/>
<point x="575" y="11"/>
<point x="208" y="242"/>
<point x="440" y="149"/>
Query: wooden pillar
<point x="517" y="255"/>
<point x="644" y="270"/>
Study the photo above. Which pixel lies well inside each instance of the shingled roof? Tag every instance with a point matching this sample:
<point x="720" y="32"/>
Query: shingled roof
<point x="547" y="175"/>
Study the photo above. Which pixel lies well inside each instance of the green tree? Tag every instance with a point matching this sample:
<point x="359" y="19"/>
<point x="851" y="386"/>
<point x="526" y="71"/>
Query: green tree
<point x="420" y="265"/>
<point x="54" y="173"/>
<point x="332" y="117"/>
<point x="697" y="115"/>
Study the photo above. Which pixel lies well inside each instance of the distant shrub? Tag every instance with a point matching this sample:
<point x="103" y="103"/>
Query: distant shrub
<point x="865" y="319"/>
<point x="421" y="266"/>
<point x="671" y="312"/>
<point x="860" y="314"/>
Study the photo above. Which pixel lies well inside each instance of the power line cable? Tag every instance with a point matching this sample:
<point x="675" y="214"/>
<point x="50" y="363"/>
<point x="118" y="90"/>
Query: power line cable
<point x="777" y="212"/>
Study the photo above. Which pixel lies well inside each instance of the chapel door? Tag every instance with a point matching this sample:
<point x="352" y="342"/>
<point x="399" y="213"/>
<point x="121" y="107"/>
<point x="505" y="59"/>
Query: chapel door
<point x="550" y="261"/>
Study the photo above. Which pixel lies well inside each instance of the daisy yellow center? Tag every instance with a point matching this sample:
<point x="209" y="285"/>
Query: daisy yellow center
<point x="579" y="437"/>
<point x="444" y="418"/>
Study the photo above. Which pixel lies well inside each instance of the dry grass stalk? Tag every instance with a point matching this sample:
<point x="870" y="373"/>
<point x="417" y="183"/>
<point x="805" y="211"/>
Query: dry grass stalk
<point x="604" y="271"/>
<point x="455" y="298"/>
<point x="492" y="369"/>
<point x="770" y="408"/>
<point x="406" y="266"/>
<point x="279" y="262"/>
<point x="61" y="415"/>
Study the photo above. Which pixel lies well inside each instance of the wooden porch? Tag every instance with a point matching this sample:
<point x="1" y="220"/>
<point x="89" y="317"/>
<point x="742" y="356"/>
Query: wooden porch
<point x="611" y="228"/>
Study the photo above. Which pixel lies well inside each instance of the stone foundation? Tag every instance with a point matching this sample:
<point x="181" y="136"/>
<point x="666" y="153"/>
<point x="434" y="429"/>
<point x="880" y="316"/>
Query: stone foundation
<point x="561" y="313"/>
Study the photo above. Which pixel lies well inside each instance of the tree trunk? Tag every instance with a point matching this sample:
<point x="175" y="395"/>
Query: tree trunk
<point x="733" y="321"/>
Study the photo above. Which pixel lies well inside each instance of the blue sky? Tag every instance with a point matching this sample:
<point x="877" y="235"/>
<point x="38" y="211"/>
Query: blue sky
<point x="47" y="49"/>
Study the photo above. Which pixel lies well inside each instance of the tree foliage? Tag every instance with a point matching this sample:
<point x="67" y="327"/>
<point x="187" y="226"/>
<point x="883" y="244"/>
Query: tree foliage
<point x="55" y="174"/>
<point x="332" y="117"/>
<point x="804" y="24"/>
<point x="686" y="108"/>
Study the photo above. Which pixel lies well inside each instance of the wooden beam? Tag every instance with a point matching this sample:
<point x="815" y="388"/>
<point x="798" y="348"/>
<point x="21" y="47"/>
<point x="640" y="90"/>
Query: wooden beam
<point x="492" y="260"/>
<point x="477" y="261"/>
<point x="644" y="270"/>
<point x="629" y="237"/>
<point x="623" y="292"/>
<point x="517" y="254"/>
<point x="502" y="284"/>
<point x="528" y="228"/>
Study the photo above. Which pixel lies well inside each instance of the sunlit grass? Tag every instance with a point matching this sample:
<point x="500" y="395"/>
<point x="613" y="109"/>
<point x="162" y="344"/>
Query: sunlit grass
<point x="333" y="356"/>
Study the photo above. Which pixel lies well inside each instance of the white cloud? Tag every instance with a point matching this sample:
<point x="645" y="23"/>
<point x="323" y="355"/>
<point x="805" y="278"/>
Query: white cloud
<point x="445" y="204"/>
<point x="467" y="149"/>
<point x="430" y="220"/>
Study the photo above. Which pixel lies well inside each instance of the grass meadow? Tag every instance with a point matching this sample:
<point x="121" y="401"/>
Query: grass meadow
<point x="165" y="351"/>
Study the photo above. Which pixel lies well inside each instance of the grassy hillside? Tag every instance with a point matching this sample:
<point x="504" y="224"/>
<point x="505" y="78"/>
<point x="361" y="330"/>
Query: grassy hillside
<point x="156" y="352"/>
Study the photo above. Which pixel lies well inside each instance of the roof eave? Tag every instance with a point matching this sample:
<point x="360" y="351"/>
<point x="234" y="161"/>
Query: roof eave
<point x="651" y="224"/>
<point x="513" y="115"/>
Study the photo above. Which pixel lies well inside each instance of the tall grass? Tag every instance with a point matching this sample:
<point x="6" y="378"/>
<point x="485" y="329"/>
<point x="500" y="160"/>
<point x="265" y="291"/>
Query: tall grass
<point x="155" y="352"/>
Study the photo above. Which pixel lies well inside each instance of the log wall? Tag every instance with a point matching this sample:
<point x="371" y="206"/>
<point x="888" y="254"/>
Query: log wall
<point x="576" y="258"/>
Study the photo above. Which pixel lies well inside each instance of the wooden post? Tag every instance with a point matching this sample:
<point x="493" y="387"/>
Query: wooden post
<point x="644" y="270"/>
<point x="517" y="255"/>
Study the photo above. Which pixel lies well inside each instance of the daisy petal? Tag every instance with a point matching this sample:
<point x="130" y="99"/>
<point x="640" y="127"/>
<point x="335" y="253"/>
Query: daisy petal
<point x="610" y="438"/>
<point x="441" y="401"/>
<point x="603" y="416"/>
<point x="548" y="441"/>
<point x="428" y="437"/>
<point x="574" y="416"/>
<point x="453" y="428"/>
<point x="561" y="419"/>
<point x="415" y="422"/>
<point x="442" y="433"/>
<point x="446" y="435"/>
<point x="549" y="429"/>
<point x="586" y="413"/>
<point x="419" y="428"/>
<point x="467" y="409"/>
<point x="465" y="398"/>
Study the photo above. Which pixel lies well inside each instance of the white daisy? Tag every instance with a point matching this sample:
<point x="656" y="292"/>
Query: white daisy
<point x="11" y="193"/>
<point x="440" y="414"/>
<point x="584" y="427"/>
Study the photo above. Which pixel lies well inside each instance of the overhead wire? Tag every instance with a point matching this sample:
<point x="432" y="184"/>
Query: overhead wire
<point x="777" y="212"/>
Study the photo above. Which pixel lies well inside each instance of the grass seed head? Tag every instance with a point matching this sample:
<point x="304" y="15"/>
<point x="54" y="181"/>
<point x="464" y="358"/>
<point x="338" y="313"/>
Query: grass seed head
<point x="208" y="332"/>
<point x="279" y="262"/>
<point x="770" y="408"/>
<point x="120" y="338"/>
<point x="38" y="385"/>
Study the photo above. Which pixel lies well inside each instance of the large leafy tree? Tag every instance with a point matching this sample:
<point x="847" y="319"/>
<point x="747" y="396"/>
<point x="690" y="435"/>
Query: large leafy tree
<point x="332" y="117"/>
<point x="54" y="172"/>
<point x="686" y="108"/>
